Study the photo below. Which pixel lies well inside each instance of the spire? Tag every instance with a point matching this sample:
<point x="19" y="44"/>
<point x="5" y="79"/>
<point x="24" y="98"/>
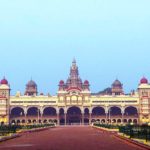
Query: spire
<point x="74" y="61"/>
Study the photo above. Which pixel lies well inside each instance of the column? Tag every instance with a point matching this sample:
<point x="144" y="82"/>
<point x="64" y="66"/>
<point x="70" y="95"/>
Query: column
<point x="106" y="112"/>
<point x="57" y="113"/>
<point x="82" y="119"/>
<point x="122" y="112"/>
<point x="90" y="117"/>
<point x="41" y="112"/>
<point x="25" y="115"/>
<point x="58" y="121"/>
<point x="65" y="117"/>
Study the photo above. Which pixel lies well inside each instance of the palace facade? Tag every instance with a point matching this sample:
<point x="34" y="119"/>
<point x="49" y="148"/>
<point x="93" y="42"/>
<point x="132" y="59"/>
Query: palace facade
<point x="74" y="103"/>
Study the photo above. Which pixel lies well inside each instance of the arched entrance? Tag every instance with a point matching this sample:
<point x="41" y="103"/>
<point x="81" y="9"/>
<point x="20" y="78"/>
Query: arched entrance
<point x="98" y="111"/>
<point x="74" y="115"/>
<point x="49" y="111"/>
<point x="61" y="114"/>
<point x="17" y="112"/>
<point x="33" y="111"/>
<point x="115" y="111"/>
<point x="131" y="111"/>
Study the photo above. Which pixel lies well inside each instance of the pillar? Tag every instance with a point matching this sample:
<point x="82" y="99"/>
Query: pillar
<point x="106" y="112"/>
<point x="58" y="120"/>
<point x="90" y="116"/>
<point x="25" y="115"/>
<point x="65" y="117"/>
<point x="122" y="112"/>
<point x="82" y="119"/>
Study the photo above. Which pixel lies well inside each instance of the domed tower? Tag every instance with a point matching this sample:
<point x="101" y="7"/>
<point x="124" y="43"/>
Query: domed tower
<point x="4" y="100"/>
<point x="86" y="85"/>
<point x="61" y="85"/>
<point x="143" y="81"/>
<point x="74" y="81"/>
<point x="4" y="88"/>
<point x="144" y="101"/>
<point x="31" y="88"/>
<point x="117" y="88"/>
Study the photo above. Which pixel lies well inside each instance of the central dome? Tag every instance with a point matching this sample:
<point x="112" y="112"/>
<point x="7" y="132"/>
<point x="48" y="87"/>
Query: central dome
<point x="31" y="83"/>
<point x="117" y="83"/>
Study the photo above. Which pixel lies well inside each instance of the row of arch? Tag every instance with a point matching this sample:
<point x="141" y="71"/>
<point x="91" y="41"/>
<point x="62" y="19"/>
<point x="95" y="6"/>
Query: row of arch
<point x="51" y="111"/>
<point x="102" y="121"/>
<point x="30" y="121"/>
<point x="118" y="121"/>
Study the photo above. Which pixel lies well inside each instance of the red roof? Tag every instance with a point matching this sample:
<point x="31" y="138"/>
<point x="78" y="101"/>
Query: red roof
<point x="4" y="81"/>
<point x="86" y="82"/>
<point x="144" y="81"/>
<point x="61" y="82"/>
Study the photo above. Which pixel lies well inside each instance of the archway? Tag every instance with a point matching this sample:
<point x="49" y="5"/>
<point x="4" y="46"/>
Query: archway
<point x="119" y="121"/>
<point x="114" y="111"/>
<point x="73" y="115"/>
<point x="23" y="121"/>
<point x="33" y="111"/>
<point x="49" y="111"/>
<point x="98" y="111"/>
<point x="131" y="111"/>
<point x="29" y="121"/>
<point x="135" y="121"/>
<point x="17" y="112"/>
<point x="103" y="121"/>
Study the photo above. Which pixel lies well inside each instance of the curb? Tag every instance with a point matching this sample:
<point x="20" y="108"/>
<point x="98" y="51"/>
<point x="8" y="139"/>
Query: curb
<point x="22" y="132"/>
<point x="9" y="137"/>
<point x="133" y="142"/>
<point x="125" y="139"/>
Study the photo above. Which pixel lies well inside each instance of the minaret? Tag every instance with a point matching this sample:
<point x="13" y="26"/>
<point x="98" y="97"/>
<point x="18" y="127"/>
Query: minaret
<point x="5" y="101"/>
<point x="74" y="70"/>
<point x="75" y="81"/>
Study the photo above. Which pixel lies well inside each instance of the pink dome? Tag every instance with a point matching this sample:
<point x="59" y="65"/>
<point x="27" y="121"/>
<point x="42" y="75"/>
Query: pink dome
<point x="144" y="81"/>
<point x="4" y="81"/>
<point x="61" y="82"/>
<point x="86" y="82"/>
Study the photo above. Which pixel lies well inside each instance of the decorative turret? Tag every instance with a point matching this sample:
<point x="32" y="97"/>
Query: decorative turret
<point x="4" y="81"/>
<point x="61" y="85"/>
<point x="4" y="88"/>
<point x="144" y="81"/>
<point x="86" y="85"/>
<point x="31" y="88"/>
<point x="117" y="87"/>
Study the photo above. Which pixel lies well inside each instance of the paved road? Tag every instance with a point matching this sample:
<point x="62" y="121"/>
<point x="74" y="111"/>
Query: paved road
<point x="68" y="138"/>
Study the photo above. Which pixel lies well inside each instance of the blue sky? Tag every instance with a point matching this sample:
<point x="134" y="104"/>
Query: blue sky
<point x="109" y="38"/>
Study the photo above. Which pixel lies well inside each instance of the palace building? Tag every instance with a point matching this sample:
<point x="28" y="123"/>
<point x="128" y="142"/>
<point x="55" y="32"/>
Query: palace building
<point x="75" y="103"/>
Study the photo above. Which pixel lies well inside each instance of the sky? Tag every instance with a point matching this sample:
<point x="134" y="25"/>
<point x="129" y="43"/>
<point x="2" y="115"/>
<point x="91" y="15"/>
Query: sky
<point x="109" y="38"/>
